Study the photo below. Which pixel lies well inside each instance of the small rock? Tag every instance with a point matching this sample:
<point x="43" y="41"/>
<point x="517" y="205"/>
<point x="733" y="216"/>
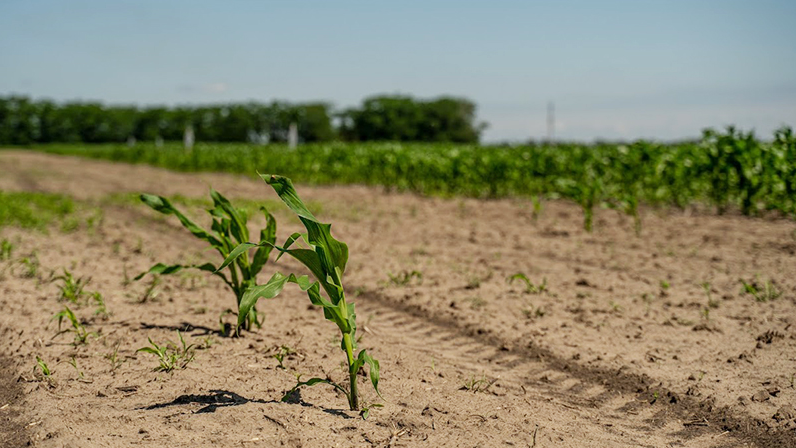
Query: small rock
<point x="762" y="395"/>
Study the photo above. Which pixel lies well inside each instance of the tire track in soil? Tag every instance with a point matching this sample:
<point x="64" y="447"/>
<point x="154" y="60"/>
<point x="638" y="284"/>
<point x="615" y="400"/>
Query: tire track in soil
<point x="621" y="397"/>
<point x="13" y="432"/>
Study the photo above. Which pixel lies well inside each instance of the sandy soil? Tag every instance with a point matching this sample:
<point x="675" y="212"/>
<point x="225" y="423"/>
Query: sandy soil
<point x="617" y="351"/>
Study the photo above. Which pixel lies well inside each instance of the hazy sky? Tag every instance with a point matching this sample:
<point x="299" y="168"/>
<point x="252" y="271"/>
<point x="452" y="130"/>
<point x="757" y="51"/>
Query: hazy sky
<point x="615" y="69"/>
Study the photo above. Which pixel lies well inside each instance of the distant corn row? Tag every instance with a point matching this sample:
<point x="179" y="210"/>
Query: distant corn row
<point x="729" y="170"/>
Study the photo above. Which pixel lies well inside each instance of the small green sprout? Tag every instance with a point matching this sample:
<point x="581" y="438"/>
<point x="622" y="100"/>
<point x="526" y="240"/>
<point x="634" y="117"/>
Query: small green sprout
<point x="365" y="412"/>
<point x="101" y="308"/>
<point x="474" y="384"/>
<point x="712" y="303"/>
<point x="125" y="277"/>
<point x="73" y="363"/>
<point x="403" y="278"/>
<point x="762" y="293"/>
<point x="281" y="353"/>
<point x="77" y="328"/>
<point x="530" y="288"/>
<point x="170" y="356"/>
<point x="113" y="357"/>
<point x="6" y="249"/>
<point x="30" y="265"/>
<point x="665" y="285"/>
<point x="72" y="289"/>
<point x="326" y="258"/>
<point x="151" y="293"/>
<point x="43" y="368"/>
<point x="229" y="229"/>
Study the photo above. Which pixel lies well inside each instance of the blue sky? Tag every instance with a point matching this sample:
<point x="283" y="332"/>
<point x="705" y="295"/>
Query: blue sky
<point x="615" y="69"/>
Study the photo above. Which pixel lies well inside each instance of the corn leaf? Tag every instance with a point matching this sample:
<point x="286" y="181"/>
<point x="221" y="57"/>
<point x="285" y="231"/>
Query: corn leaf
<point x="333" y="253"/>
<point x="267" y="241"/>
<point x="162" y="205"/>
<point x="237" y="222"/>
<point x="163" y="269"/>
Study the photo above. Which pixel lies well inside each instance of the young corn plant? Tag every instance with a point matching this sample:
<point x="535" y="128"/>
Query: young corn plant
<point x="227" y="231"/>
<point x="77" y="328"/>
<point x="762" y="293"/>
<point x="530" y="287"/>
<point x="43" y="368"/>
<point x="72" y="288"/>
<point x="6" y="249"/>
<point x="326" y="258"/>
<point x="170" y="355"/>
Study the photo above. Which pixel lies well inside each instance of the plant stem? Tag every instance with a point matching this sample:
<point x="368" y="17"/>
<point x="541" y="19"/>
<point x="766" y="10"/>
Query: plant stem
<point x="353" y="399"/>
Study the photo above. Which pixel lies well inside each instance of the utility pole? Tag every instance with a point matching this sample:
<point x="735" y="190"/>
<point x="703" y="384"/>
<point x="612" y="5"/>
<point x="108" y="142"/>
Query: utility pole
<point x="551" y="122"/>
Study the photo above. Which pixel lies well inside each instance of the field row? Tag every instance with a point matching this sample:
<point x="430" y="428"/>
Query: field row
<point x="729" y="171"/>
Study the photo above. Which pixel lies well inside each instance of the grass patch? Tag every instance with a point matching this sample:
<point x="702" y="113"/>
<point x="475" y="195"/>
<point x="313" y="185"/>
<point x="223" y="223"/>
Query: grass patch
<point x="36" y="211"/>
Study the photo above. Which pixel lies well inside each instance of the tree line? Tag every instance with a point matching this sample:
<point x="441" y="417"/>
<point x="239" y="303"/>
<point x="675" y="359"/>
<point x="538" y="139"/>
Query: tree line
<point x="25" y="121"/>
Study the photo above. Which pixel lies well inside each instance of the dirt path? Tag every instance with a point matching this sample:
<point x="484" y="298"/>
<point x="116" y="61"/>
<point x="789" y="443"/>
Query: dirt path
<point x="618" y="351"/>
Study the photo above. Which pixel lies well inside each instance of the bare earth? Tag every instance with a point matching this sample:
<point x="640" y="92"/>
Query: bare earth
<point x="608" y="356"/>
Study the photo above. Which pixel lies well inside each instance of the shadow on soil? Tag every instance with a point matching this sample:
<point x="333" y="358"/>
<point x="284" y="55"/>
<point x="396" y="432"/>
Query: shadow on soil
<point x="184" y="327"/>
<point x="224" y="398"/>
<point x="214" y="400"/>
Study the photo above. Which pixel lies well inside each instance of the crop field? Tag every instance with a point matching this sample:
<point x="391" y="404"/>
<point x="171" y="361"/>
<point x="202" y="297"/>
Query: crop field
<point x="539" y="296"/>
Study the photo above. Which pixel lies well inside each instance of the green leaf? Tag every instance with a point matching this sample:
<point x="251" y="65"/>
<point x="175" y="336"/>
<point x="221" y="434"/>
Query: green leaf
<point x="148" y="350"/>
<point x="268" y="291"/>
<point x="267" y="235"/>
<point x="332" y="253"/>
<point x="237" y="222"/>
<point x="312" y="382"/>
<point x="235" y="253"/>
<point x="163" y="269"/>
<point x="284" y="188"/>
<point x="162" y="205"/>
<point x="374" y="369"/>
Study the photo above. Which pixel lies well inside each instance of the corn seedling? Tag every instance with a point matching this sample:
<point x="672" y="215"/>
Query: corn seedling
<point x="6" y="249"/>
<point x="326" y="258"/>
<point x="77" y="328"/>
<point x="762" y="293"/>
<point x="474" y="384"/>
<point x="403" y="278"/>
<point x="281" y="353"/>
<point x="227" y="231"/>
<point x="530" y="288"/>
<point x="170" y="356"/>
<point x="101" y="309"/>
<point x="42" y="368"/>
<point x="125" y="277"/>
<point x="712" y="303"/>
<point x="151" y="292"/>
<point x="73" y="363"/>
<point x="365" y="412"/>
<point x="30" y="265"/>
<point x="113" y="357"/>
<point x="72" y="289"/>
